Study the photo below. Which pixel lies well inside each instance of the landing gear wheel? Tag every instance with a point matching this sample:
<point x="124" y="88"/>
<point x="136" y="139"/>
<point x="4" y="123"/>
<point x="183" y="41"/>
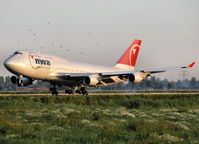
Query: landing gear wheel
<point x="79" y="92"/>
<point x="54" y="92"/>
<point x="51" y="89"/>
<point x="84" y="91"/>
<point x="69" y="91"/>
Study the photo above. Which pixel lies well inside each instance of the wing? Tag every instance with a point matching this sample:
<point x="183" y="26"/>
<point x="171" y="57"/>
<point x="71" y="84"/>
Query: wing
<point x="169" y="68"/>
<point x="140" y="75"/>
<point x="107" y="78"/>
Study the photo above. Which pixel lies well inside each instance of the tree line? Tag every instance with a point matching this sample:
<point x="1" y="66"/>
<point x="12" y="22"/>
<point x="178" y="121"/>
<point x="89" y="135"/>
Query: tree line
<point x="152" y="83"/>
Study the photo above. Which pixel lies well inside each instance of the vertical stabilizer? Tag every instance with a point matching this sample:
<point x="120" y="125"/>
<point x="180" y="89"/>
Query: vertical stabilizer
<point x="129" y="58"/>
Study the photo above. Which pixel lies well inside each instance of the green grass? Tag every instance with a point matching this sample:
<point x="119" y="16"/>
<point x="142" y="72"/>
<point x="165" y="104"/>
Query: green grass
<point x="145" y="91"/>
<point x="104" y="91"/>
<point x="24" y="92"/>
<point x="99" y="119"/>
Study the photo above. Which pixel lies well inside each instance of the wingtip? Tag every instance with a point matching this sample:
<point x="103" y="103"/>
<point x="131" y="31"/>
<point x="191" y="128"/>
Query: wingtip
<point x="191" y="65"/>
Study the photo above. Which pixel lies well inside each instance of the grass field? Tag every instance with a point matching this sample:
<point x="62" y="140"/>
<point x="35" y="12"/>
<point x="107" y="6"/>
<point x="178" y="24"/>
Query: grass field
<point x="99" y="119"/>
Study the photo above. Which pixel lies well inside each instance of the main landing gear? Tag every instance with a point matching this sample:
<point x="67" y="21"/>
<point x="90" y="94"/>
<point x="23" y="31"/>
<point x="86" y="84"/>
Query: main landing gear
<point x="69" y="91"/>
<point x="81" y="91"/>
<point x="53" y="90"/>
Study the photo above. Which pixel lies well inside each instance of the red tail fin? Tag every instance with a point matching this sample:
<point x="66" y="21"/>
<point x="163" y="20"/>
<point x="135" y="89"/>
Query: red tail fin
<point x="129" y="58"/>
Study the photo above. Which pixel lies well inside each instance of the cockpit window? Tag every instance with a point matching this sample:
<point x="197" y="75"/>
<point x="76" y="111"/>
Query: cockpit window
<point x="17" y="52"/>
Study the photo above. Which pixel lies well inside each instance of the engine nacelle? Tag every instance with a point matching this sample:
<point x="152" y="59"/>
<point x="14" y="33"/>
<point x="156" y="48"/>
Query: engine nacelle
<point x="131" y="77"/>
<point x="24" y="82"/>
<point x="91" y="80"/>
<point x="13" y="79"/>
<point x="136" y="78"/>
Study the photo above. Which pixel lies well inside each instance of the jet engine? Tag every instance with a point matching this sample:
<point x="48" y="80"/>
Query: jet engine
<point x="23" y="82"/>
<point x="136" y="78"/>
<point x="139" y="77"/>
<point x="91" y="80"/>
<point x="131" y="77"/>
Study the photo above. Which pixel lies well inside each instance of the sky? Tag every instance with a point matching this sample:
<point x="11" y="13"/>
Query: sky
<point x="100" y="31"/>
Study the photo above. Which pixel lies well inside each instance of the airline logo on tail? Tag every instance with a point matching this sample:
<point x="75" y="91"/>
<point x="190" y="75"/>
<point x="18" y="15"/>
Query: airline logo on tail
<point x="129" y="58"/>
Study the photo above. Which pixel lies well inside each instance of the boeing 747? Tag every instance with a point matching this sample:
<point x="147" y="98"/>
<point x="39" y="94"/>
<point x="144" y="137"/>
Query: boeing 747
<point x="28" y="67"/>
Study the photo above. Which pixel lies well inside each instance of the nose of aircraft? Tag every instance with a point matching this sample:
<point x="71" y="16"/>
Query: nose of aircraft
<point x="8" y="63"/>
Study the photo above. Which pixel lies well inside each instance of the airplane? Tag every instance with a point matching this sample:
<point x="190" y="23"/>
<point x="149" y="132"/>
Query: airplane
<point x="28" y="67"/>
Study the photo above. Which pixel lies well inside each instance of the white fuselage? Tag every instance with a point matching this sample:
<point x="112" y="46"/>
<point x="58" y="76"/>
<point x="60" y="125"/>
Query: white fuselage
<point x="42" y="67"/>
